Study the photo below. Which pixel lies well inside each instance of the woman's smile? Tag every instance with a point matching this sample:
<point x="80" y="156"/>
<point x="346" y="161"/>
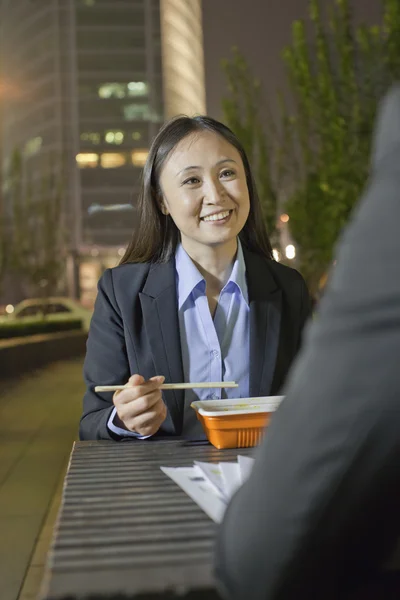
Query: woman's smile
<point x="219" y="218"/>
<point x="204" y="189"/>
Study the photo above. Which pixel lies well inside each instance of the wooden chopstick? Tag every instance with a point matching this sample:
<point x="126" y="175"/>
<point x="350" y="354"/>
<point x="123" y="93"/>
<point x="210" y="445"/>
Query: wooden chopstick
<point x="172" y="386"/>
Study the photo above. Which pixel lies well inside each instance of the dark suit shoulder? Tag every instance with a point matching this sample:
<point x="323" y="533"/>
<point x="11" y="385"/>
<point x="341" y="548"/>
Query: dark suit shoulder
<point x="286" y="276"/>
<point x="129" y="270"/>
<point x="119" y="285"/>
<point x="119" y="277"/>
<point x="294" y="289"/>
<point x="264" y="276"/>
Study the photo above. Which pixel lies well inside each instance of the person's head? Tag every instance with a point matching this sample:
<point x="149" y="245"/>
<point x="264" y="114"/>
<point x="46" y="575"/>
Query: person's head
<point x="197" y="187"/>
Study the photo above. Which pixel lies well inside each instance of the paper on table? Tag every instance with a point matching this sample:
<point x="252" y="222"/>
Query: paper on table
<point x="211" y="485"/>
<point x="245" y="467"/>
<point x="224" y="477"/>
<point x="231" y="478"/>
<point x="194" y="484"/>
<point x="213" y="474"/>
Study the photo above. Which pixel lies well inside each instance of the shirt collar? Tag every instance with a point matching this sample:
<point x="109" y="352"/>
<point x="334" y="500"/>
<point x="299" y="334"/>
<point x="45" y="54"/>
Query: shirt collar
<point x="189" y="277"/>
<point x="238" y="275"/>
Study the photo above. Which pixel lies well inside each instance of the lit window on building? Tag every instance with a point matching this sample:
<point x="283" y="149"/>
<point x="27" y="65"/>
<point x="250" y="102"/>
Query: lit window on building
<point x="136" y="112"/>
<point x="33" y="146"/>
<point x="114" y="137"/>
<point x="137" y="88"/>
<point x="113" y="90"/>
<point x="101" y="208"/>
<point x="155" y="117"/>
<point x="112" y="160"/>
<point x="136" y="135"/>
<point x="139" y="157"/>
<point x="90" y="136"/>
<point x="87" y="160"/>
<point x="133" y="89"/>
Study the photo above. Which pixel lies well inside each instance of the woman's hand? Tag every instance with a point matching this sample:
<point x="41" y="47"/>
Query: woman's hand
<point x="140" y="407"/>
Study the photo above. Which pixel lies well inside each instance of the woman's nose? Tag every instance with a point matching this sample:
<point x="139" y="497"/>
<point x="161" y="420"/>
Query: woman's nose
<point x="215" y="193"/>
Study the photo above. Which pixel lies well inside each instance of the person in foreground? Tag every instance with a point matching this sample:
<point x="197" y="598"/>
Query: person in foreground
<point x="197" y="296"/>
<point x="319" y="517"/>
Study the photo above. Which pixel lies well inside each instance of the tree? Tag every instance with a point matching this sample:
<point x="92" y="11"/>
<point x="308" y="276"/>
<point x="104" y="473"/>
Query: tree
<point x="317" y="154"/>
<point x="4" y="246"/>
<point x="245" y="113"/>
<point x="336" y="80"/>
<point x="39" y="249"/>
<point x="4" y="237"/>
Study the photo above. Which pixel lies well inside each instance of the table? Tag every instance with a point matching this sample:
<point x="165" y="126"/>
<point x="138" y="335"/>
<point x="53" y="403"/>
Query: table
<point x="126" y="528"/>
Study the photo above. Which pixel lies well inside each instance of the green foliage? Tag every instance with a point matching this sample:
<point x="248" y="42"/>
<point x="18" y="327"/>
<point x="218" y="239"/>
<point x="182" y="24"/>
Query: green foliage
<point x="317" y="155"/>
<point x="4" y="247"/>
<point x="336" y="80"/>
<point x="4" y="241"/>
<point x="244" y="112"/>
<point x="39" y="248"/>
<point x="12" y="329"/>
<point x="391" y="33"/>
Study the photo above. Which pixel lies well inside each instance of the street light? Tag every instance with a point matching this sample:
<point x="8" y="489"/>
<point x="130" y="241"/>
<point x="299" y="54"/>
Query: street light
<point x="276" y="255"/>
<point x="290" y="252"/>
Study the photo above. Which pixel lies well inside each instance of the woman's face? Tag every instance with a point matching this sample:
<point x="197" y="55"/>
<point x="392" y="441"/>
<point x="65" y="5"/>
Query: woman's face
<point x="204" y="189"/>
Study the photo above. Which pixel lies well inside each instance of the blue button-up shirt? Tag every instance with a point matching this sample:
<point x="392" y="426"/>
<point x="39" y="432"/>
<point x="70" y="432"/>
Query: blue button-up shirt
<point x="212" y="349"/>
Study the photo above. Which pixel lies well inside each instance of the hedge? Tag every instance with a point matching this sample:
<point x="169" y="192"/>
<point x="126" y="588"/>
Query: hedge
<point x="35" y="327"/>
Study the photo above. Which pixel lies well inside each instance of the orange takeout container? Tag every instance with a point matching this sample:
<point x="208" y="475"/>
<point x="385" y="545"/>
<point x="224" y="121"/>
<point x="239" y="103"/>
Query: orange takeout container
<point x="236" y="423"/>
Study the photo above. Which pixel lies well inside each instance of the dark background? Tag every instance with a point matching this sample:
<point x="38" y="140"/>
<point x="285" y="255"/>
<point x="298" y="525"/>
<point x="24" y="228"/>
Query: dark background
<point x="261" y="29"/>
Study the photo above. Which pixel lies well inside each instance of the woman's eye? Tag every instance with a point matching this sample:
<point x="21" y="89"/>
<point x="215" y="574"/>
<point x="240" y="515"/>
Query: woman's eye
<point x="191" y="181"/>
<point x="227" y="173"/>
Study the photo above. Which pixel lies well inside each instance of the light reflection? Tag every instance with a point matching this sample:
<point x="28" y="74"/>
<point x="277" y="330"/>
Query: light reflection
<point x="290" y="252"/>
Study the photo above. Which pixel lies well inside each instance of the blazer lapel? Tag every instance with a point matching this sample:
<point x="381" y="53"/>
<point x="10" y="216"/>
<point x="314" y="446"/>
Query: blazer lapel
<point x="265" y="298"/>
<point x="160" y="315"/>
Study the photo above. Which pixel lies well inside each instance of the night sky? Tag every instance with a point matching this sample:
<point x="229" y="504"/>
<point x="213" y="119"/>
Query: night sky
<point x="261" y="29"/>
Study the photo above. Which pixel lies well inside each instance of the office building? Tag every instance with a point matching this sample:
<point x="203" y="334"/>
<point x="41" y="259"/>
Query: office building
<point x="87" y="83"/>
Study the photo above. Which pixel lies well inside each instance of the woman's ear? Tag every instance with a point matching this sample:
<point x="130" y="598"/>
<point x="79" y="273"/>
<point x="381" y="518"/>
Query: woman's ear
<point x="163" y="205"/>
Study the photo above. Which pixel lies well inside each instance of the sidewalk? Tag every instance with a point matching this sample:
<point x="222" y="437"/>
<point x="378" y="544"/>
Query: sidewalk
<point x="39" y="418"/>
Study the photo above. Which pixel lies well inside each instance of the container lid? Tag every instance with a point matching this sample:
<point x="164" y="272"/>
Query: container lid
<point x="237" y="406"/>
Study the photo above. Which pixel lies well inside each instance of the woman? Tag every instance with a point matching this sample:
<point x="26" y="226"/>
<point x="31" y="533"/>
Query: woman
<point x="197" y="296"/>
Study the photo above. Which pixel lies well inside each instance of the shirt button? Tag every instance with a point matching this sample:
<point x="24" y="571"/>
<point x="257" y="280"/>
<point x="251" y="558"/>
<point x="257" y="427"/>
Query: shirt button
<point x="215" y="353"/>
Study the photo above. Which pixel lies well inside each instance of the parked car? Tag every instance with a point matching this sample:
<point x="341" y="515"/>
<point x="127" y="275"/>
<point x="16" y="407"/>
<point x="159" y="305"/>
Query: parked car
<point x="53" y="308"/>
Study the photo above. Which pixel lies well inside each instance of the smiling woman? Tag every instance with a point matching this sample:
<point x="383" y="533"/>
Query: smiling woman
<point x="197" y="295"/>
<point x="209" y="202"/>
<point x="190" y="157"/>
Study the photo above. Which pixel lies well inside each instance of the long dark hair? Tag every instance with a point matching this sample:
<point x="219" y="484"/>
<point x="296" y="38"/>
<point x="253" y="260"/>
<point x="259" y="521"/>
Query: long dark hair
<point x="156" y="236"/>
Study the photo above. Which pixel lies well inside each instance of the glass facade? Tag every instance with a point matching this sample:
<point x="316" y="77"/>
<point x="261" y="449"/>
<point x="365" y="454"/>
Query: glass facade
<point x="85" y="85"/>
<point x="87" y="90"/>
<point x="28" y="67"/>
<point x="120" y="106"/>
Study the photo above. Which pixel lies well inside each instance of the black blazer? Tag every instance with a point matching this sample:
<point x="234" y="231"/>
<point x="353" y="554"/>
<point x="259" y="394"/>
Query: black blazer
<point x="135" y="329"/>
